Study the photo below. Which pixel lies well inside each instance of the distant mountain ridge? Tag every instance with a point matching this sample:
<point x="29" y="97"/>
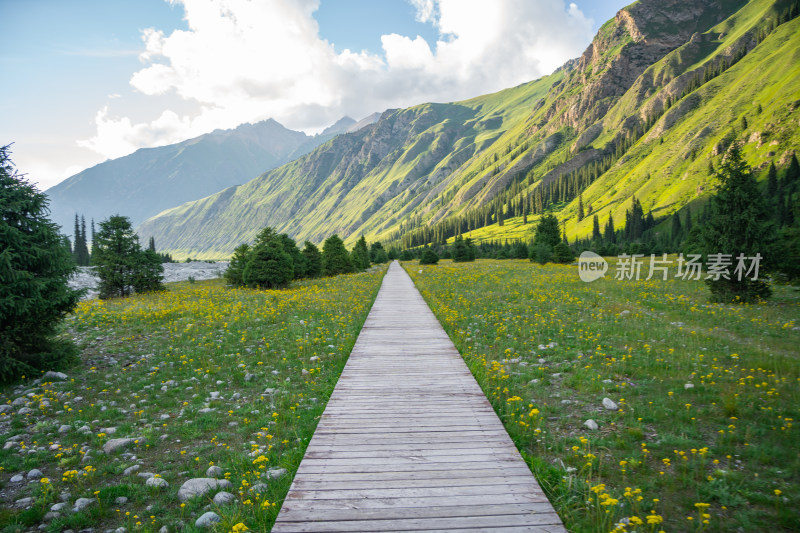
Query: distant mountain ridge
<point x="664" y="87"/>
<point x="151" y="180"/>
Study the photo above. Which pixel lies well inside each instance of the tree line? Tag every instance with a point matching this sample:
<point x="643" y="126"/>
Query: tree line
<point x="274" y="260"/>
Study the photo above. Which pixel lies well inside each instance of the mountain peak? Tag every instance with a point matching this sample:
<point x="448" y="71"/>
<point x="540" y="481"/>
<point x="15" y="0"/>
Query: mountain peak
<point x="340" y="126"/>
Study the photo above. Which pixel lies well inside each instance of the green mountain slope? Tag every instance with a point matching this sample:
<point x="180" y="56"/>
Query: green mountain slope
<point x="662" y="88"/>
<point x="150" y="180"/>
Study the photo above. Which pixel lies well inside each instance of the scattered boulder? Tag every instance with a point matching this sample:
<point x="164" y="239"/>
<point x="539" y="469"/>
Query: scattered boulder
<point x="609" y="404"/>
<point x="130" y="470"/>
<point x="35" y="474"/>
<point x="157" y="482"/>
<point x="115" y="445"/>
<point x="275" y="473"/>
<point x="214" y="471"/>
<point x="81" y="504"/>
<point x="199" y="486"/>
<point x="591" y="424"/>
<point x="207" y="519"/>
<point x="54" y="376"/>
<point x="223" y="498"/>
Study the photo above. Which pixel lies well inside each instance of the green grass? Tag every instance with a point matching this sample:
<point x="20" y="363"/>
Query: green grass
<point x="707" y="394"/>
<point x="149" y="365"/>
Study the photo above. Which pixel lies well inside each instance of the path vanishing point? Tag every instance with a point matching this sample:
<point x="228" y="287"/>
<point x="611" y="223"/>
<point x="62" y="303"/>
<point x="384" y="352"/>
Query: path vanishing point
<point x="408" y="441"/>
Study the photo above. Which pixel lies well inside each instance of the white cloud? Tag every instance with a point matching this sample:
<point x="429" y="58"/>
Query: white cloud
<point x="244" y="61"/>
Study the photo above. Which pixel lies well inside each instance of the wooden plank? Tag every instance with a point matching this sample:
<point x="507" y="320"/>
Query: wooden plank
<point x="408" y="441"/>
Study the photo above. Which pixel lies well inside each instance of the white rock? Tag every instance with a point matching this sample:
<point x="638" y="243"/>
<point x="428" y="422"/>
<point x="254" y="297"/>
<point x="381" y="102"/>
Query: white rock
<point x="121" y="500"/>
<point x="64" y="428"/>
<point x="214" y="471"/>
<point x="214" y="395"/>
<point x="19" y="478"/>
<point x="688" y="386"/>
<point x="130" y="470"/>
<point x="35" y="474"/>
<point x="58" y="507"/>
<point x="258" y="488"/>
<point x="115" y="445"/>
<point x="5" y="408"/>
<point x="274" y="473"/>
<point x="591" y="424"/>
<point x="54" y="376"/>
<point x="609" y="404"/>
<point x="207" y="519"/>
<point x="82" y="503"/>
<point x="24" y="502"/>
<point x="223" y="498"/>
<point x="158" y="482"/>
<point x="199" y="486"/>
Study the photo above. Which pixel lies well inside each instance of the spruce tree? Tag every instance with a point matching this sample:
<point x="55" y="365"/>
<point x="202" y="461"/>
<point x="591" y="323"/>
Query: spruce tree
<point x="580" y="207"/>
<point x="595" y="227"/>
<point x="234" y="274"/>
<point x="313" y="259"/>
<point x="361" y="254"/>
<point x="609" y="234"/>
<point x="460" y="250"/>
<point x="738" y="223"/>
<point x="151" y="245"/>
<point x="547" y="231"/>
<point x="298" y="259"/>
<point x="122" y="266"/>
<point x="428" y="257"/>
<point x="335" y="259"/>
<point x="268" y="266"/>
<point x="772" y="181"/>
<point x="792" y="175"/>
<point x="562" y="253"/>
<point x="35" y="267"/>
<point x="677" y="229"/>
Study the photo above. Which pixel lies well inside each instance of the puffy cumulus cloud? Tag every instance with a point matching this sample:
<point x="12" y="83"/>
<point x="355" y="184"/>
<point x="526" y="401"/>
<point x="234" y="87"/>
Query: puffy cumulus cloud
<point x="244" y="61"/>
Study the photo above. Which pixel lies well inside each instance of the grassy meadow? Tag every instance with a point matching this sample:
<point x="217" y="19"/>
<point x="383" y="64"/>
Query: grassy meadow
<point x="702" y="435"/>
<point x="200" y="375"/>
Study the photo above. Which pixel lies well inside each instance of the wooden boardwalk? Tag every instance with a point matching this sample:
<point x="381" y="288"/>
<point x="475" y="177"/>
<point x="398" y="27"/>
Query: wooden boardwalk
<point x="408" y="441"/>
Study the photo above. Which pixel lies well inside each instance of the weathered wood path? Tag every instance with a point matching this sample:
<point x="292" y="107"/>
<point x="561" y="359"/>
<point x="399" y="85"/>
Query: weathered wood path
<point x="408" y="441"/>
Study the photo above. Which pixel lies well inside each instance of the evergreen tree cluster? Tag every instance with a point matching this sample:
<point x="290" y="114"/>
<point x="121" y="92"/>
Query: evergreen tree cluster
<point x="35" y="266"/>
<point x="121" y="264"/>
<point x="274" y="260"/>
<point x="80" y="246"/>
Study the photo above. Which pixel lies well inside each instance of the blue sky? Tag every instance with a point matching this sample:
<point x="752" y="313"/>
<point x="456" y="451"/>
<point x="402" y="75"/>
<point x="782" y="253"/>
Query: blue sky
<point x="83" y="84"/>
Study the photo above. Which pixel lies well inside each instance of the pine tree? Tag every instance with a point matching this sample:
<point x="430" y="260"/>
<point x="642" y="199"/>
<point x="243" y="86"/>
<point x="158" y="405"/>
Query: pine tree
<point x="792" y="173"/>
<point x="677" y="229"/>
<point x="547" y="231"/>
<point x="461" y="252"/>
<point x="298" y="259"/>
<point x="335" y="259"/>
<point x="580" y="207"/>
<point x="122" y="266"/>
<point x="35" y="267"/>
<point x="738" y="223"/>
<point x="313" y="260"/>
<point x="687" y="221"/>
<point x="151" y="245"/>
<point x="234" y="274"/>
<point x="595" y="227"/>
<point x="609" y="234"/>
<point x="772" y="181"/>
<point x="428" y="257"/>
<point x="268" y="266"/>
<point x="360" y="254"/>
